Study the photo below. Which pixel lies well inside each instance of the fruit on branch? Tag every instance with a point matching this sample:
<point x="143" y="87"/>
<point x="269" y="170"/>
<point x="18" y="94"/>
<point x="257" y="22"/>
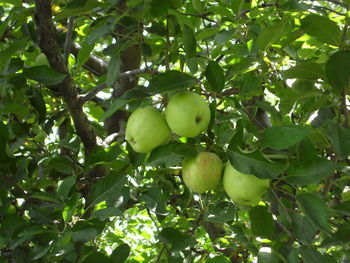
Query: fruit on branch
<point x="146" y="129"/>
<point x="187" y="114"/>
<point x="202" y="172"/>
<point x="243" y="189"/>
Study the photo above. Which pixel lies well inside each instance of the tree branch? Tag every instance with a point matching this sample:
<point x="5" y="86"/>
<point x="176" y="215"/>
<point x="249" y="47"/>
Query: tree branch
<point x="68" y="42"/>
<point x="91" y="94"/>
<point x="203" y="16"/>
<point x="47" y="41"/>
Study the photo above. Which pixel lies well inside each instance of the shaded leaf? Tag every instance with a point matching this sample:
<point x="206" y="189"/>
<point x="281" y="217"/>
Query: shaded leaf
<point x="113" y="70"/>
<point x="254" y="163"/>
<point x="215" y="76"/>
<point x="117" y="104"/>
<point x="64" y="186"/>
<point x="306" y="70"/>
<point x="338" y="70"/>
<point x="340" y="139"/>
<point x="315" y="209"/>
<point x="322" y="28"/>
<point x="176" y="239"/>
<point x="61" y="164"/>
<point x="44" y="75"/>
<point x="261" y="221"/>
<point x="189" y="41"/>
<point x="77" y="7"/>
<point x="311" y="171"/>
<point x="108" y="188"/>
<point x="106" y="213"/>
<point x="282" y="137"/>
<point x="272" y="33"/>
<point x="170" y="81"/>
<point x="120" y="254"/>
<point x="220" y="213"/>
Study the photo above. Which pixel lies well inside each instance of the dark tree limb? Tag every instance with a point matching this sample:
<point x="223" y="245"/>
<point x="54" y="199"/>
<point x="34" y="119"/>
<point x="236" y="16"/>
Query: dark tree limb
<point x="48" y="43"/>
<point x="94" y="64"/>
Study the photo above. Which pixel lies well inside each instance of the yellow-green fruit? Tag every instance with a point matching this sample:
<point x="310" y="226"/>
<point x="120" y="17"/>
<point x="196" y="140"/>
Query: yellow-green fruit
<point x="244" y="189"/>
<point x="146" y="129"/>
<point x="187" y="114"/>
<point x="41" y="60"/>
<point x="203" y="172"/>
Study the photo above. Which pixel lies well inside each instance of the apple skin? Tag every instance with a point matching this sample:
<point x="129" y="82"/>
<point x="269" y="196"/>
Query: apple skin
<point x="203" y="172"/>
<point x="243" y="189"/>
<point x="187" y="114"/>
<point x="146" y="129"/>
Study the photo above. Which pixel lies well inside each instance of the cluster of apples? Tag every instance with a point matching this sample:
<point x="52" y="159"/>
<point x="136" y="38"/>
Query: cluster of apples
<point x="187" y="115"/>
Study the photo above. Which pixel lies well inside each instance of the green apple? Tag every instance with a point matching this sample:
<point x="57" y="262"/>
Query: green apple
<point x="202" y="172"/>
<point x="41" y="60"/>
<point x="187" y="114"/>
<point x="146" y="129"/>
<point x="243" y="189"/>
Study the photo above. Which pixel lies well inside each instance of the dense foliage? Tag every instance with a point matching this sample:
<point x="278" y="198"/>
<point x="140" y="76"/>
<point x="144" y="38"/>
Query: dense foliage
<point x="276" y="75"/>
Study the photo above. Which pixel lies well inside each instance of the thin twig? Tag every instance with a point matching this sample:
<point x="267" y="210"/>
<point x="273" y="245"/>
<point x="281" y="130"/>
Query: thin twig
<point x="203" y="16"/>
<point x="91" y="94"/>
<point x="329" y="9"/>
<point x="68" y="42"/>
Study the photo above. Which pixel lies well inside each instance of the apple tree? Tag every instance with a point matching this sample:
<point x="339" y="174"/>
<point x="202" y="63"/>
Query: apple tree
<point x="269" y="86"/>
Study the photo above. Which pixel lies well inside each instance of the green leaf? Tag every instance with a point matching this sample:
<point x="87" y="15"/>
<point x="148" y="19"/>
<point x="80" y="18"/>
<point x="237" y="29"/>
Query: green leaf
<point x="42" y="252"/>
<point x="220" y="213"/>
<point x="120" y="254"/>
<point x="338" y="70"/>
<point x="197" y="5"/>
<point x="315" y="209"/>
<point x="108" y="188"/>
<point x="272" y="33"/>
<point x="189" y="41"/>
<point x="171" y="154"/>
<point x="70" y="207"/>
<point x="215" y="76"/>
<point x="64" y="186"/>
<point x="283" y="137"/>
<point x="38" y="103"/>
<point x="254" y="163"/>
<point x="4" y="134"/>
<point x="176" y="239"/>
<point x="117" y="104"/>
<point x="218" y="259"/>
<point x="322" y="28"/>
<point x="159" y="7"/>
<point x="44" y="75"/>
<point x="84" y="53"/>
<point x="61" y="164"/>
<point x="171" y="81"/>
<point x="34" y="230"/>
<point x="46" y="197"/>
<point x="303" y="229"/>
<point x="101" y="155"/>
<point x="261" y="221"/>
<point x="15" y="108"/>
<point x="106" y="213"/>
<point x="305" y="70"/>
<point x="340" y="237"/>
<point x="7" y="53"/>
<point x="78" y="7"/>
<point x="311" y="255"/>
<point x="311" y="171"/>
<point x="113" y="70"/>
<point x="340" y="139"/>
